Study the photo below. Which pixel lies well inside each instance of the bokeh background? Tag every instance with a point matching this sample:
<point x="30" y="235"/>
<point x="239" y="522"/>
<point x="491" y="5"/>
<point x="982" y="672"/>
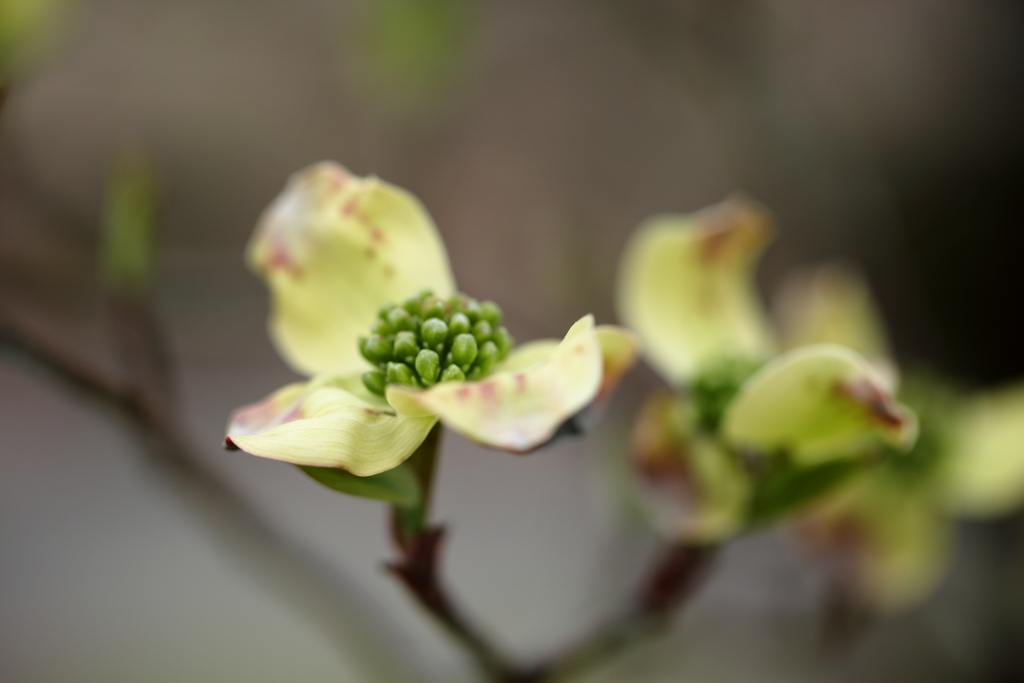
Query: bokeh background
<point x="538" y="133"/>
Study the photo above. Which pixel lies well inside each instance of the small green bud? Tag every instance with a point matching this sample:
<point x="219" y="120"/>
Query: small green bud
<point x="475" y="373"/>
<point x="434" y="307"/>
<point x="428" y="366"/>
<point x="490" y="312"/>
<point x="482" y="331"/>
<point x="464" y="350"/>
<point x="434" y="333"/>
<point x="406" y="347"/>
<point x="453" y="373"/>
<point x="375" y="348"/>
<point x="383" y="311"/>
<point x="414" y="303"/>
<point x="459" y="324"/>
<point x="472" y="310"/>
<point x="487" y="357"/>
<point x="400" y="373"/>
<point x="400" y="320"/>
<point x="375" y="381"/>
<point x="504" y="342"/>
<point x="381" y="327"/>
<point x="456" y="302"/>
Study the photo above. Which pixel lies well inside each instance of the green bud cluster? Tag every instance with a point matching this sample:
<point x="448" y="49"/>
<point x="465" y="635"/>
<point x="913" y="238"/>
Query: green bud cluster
<point x="427" y="339"/>
<point x="715" y="385"/>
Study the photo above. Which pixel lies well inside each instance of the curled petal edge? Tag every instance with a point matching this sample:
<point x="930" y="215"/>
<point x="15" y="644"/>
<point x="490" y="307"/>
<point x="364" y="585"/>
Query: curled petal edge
<point x="817" y="402"/>
<point x="521" y="406"/>
<point x="328" y="426"/>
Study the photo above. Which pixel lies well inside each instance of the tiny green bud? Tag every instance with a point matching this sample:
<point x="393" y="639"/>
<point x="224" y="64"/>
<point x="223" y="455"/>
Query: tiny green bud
<point x="464" y="350"/>
<point x="504" y="341"/>
<point x="428" y="366"/>
<point x="490" y="312"/>
<point x="434" y="307"/>
<point x="375" y="348"/>
<point x="482" y="331"/>
<point x="383" y="311"/>
<point x="459" y="324"/>
<point x="472" y="310"/>
<point x="414" y="303"/>
<point x="456" y="302"/>
<point x="453" y="373"/>
<point x="381" y="327"/>
<point x="375" y="381"/>
<point x="434" y="333"/>
<point x="406" y="347"/>
<point x="475" y="373"/>
<point x="400" y="320"/>
<point x="400" y="373"/>
<point x="487" y="357"/>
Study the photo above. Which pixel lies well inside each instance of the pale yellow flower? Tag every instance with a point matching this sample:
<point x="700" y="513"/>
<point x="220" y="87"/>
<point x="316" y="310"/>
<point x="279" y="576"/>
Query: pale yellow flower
<point x="333" y="248"/>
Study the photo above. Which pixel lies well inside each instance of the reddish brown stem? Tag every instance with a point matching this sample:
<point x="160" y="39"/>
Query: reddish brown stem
<point x="671" y="579"/>
<point x="283" y="566"/>
<point x="419" y="571"/>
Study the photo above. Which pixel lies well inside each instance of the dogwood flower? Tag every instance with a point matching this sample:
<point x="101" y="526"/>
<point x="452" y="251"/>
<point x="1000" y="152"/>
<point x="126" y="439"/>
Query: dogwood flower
<point x="814" y="432"/>
<point x="363" y="301"/>
<point x="889" y="529"/>
<point x="748" y="432"/>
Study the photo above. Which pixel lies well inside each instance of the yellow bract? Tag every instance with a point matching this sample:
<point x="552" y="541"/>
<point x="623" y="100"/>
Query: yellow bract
<point x="815" y="403"/>
<point x="986" y="470"/>
<point x="521" y="409"/>
<point x="333" y="248"/>
<point x="832" y="304"/>
<point x="324" y="425"/>
<point x="686" y="287"/>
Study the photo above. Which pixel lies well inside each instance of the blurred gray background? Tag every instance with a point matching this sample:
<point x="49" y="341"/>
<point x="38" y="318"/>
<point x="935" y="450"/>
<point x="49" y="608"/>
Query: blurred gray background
<point x="538" y="133"/>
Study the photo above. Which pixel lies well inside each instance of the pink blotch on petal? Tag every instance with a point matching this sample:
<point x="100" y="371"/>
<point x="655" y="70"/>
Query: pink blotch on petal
<point x="880" y="408"/>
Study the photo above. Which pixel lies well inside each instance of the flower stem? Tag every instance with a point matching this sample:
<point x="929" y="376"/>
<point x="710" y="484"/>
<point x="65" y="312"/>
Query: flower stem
<point x="419" y="571"/>
<point x="409" y="523"/>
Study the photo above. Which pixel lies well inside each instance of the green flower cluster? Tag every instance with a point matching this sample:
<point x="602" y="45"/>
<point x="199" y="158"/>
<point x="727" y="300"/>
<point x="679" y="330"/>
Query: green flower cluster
<point x="428" y="339"/>
<point x="714" y="386"/>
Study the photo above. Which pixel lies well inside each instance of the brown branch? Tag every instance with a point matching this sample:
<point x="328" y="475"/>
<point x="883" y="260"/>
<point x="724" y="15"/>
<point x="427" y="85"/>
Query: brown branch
<point x="671" y="579"/>
<point x="419" y="571"/>
<point x="294" y="573"/>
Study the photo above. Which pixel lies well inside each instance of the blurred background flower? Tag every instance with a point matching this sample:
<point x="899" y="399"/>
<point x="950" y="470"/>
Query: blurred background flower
<point x="538" y="134"/>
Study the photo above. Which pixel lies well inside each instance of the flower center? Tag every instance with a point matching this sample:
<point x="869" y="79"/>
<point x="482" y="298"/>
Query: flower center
<point x="427" y="339"/>
<point x="715" y="385"/>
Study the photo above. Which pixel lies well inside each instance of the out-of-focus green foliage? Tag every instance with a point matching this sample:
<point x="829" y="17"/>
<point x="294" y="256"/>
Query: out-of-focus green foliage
<point x="130" y="225"/>
<point x="23" y="26"/>
<point x="408" y="54"/>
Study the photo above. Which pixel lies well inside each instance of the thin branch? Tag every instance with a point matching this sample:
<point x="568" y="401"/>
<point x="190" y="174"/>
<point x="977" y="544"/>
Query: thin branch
<point x="672" y="578"/>
<point x="419" y="571"/>
<point x="291" y="571"/>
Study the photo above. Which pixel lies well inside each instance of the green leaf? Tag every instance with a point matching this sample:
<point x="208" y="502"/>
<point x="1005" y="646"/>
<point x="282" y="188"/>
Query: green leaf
<point x="397" y="486"/>
<point x="787" y="488"/>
